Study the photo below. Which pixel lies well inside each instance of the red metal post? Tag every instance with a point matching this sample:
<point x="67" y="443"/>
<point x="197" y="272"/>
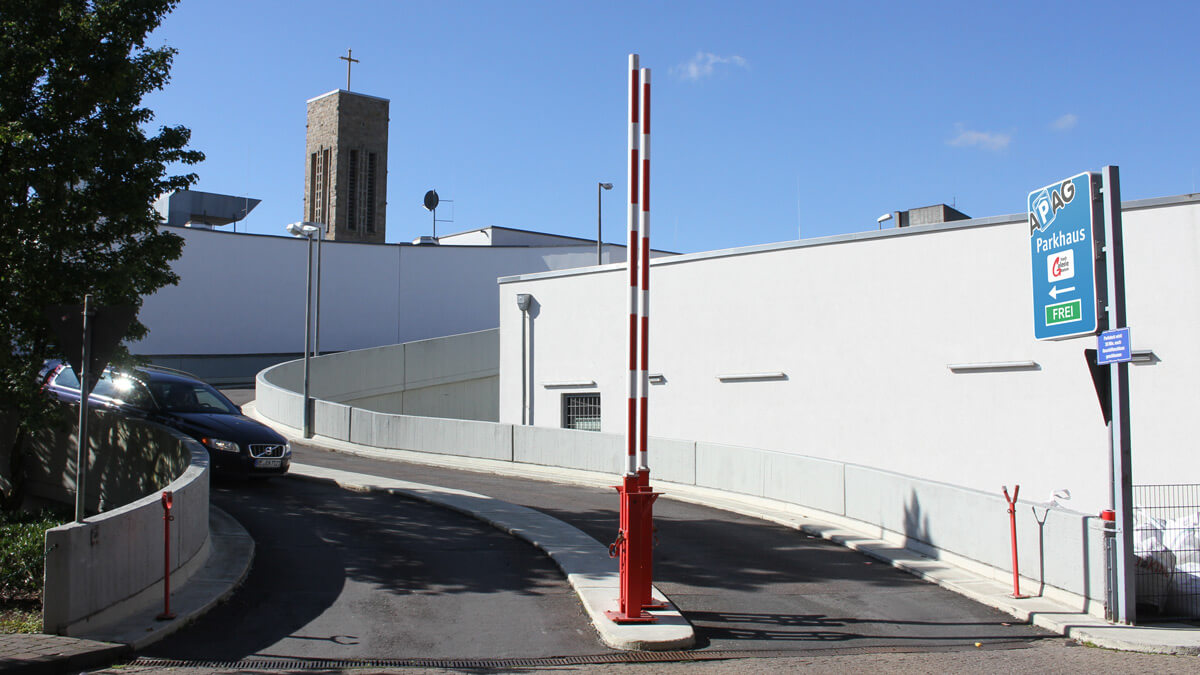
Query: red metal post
<point x="1012" y="521"/>
<point x="631" y="550"/>
<point x="167" y="499"/>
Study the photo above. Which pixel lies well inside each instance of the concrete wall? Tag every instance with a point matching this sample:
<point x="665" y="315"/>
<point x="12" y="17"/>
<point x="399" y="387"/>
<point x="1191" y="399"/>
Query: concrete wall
<point x="455" y="376"/>
<point x="111" y="565"/>
<point x="128" y="459"/>
<point x="864" y="329"/>
<point x="242" y="295"/>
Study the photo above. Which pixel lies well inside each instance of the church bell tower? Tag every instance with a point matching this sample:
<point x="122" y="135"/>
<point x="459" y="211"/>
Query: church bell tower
<point x="345" y="177"/>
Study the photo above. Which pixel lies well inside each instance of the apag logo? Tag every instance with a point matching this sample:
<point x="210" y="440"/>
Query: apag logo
<point x="1044" y="208"/>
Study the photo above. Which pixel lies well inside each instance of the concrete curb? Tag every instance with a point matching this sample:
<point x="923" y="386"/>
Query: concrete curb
<point x="584" y="561"/>
<point x="228" y="564"/>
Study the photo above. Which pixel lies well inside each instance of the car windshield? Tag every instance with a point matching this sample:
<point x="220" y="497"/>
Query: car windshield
<point x="180" y="396"/>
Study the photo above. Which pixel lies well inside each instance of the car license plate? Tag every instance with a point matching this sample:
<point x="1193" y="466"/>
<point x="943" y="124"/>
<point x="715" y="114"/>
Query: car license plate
<point x="268" y="463"/>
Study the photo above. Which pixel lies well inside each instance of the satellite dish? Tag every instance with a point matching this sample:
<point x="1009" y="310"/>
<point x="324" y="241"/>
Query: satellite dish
<point x="431" y="200"/>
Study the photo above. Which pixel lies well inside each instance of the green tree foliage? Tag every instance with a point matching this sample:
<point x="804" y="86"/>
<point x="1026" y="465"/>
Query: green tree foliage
<point x="78" y="173"/>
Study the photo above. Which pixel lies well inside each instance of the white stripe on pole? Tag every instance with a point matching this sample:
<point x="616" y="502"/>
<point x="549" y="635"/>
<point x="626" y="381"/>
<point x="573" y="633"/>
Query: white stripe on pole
<point x="644" y="226"/>
<point x="632" y="264"/>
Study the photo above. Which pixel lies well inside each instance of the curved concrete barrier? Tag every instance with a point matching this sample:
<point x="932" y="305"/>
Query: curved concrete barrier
<point x="111" y="565"/>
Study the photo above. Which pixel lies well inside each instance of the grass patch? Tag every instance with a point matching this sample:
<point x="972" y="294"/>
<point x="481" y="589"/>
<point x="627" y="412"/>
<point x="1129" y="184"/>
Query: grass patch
<point x="22" y="539"/>
<point x="20" y="617"/>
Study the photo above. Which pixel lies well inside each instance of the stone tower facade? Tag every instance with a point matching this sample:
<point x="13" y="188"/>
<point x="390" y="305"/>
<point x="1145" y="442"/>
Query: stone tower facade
<point x="345" y="176"/>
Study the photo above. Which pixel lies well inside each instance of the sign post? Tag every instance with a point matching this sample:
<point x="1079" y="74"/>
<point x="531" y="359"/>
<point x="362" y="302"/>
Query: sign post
<point x="1078" y="266"/>
<point x="88" y="335"/>
<point x="1125" y="604"/>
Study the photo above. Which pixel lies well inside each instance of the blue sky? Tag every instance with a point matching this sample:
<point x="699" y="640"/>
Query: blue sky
<point x="770" y="118"/>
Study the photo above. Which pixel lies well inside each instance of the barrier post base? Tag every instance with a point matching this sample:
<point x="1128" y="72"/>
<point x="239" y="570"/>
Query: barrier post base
<point x="634" y="552"/>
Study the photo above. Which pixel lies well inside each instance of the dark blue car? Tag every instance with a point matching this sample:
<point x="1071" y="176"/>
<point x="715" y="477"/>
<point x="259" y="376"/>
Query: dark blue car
<point x="237" y="444"/>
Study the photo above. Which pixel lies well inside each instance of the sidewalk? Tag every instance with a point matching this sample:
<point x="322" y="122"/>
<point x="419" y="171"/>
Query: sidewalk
<point x="226" y="567"/>
<point x="1045" y="612"/>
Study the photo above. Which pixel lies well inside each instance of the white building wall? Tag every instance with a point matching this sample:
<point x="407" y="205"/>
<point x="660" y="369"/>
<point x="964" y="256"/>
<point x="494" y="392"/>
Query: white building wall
<point x="864" y="328"/>
<point x="244" y="294"/>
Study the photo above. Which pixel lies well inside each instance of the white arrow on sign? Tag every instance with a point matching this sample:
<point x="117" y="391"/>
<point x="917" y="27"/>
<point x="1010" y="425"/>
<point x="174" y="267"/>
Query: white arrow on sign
<point x="1055" y="290"/>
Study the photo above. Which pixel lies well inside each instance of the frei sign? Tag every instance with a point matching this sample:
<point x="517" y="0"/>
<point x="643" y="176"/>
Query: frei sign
<point x="1064" y="226"/>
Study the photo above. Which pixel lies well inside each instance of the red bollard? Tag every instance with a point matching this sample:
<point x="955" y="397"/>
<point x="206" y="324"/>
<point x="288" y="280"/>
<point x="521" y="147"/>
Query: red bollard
<point x="167" y="500"/>
<point x="1012" y="519"/>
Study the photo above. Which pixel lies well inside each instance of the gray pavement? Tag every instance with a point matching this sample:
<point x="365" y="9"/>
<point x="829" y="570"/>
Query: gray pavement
<point x="745" y="585"/>
<point x="352" y="575"/>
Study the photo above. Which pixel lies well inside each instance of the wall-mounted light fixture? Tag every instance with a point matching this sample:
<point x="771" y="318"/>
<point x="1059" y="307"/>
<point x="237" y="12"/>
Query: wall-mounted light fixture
<point x="993" y="366"/>
<point x="752" y="377"/>
<point x="570" y="384"/>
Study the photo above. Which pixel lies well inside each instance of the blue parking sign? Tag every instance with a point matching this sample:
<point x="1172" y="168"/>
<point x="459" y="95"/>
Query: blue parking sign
<point x="1063" y="222"/>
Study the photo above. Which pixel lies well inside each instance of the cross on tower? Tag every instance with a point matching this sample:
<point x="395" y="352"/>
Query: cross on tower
<point x="347" y="58"/>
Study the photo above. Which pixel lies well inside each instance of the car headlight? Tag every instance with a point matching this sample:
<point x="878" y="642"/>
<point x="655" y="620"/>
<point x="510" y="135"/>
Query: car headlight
<point x="218" y="444"/>
<point x="287" y="449"/>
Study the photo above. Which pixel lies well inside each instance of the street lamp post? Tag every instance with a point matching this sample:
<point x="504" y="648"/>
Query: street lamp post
<point x="883" y="219"/>
<point x="599" y="240"/>
<point x="307" y="230"/>
<point x="317" y="322"/>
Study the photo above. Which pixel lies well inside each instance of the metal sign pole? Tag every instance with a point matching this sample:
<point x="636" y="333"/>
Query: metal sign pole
<point x="1122" y="488"/>
<point x="85" y="388"/>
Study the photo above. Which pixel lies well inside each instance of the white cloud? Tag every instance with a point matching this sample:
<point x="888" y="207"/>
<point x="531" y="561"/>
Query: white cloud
<point x="1066" y="122"/>
<point x="988" y="140"/>
<point x="703" y="65"/>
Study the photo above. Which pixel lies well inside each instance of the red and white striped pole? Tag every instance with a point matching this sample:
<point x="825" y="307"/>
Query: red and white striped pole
<point x="634" y="545"/>
<point x="644" y="226"/>
<point x="632" y="263"/>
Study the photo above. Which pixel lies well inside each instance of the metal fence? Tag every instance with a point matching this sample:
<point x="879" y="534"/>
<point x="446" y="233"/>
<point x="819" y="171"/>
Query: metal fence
<point x="1166" y="520"/>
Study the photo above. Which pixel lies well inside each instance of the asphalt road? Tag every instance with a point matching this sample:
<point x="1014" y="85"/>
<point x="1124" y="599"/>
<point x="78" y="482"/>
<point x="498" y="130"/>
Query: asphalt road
<point x="746" y="584"/>
<point x="344" y="575"/>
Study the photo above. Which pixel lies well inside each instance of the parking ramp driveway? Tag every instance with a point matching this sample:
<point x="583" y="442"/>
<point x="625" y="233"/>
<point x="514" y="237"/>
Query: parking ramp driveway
<point x="746" y="584"/>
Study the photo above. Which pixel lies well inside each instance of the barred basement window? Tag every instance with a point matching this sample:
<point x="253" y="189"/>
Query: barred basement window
<point x="581" y="411"/>
<point x="352" y="192"/>
<point x="370" y="192"/>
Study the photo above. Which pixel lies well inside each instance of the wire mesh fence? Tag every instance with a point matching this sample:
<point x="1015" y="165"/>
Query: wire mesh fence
<point x="1166" y="521"/>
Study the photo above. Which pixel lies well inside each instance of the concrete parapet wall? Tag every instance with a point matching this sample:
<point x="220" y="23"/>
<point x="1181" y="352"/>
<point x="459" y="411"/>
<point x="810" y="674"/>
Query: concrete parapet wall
<point x="454" y="377"/>
<point x="111" y="565"/>
<point x="464" y="438"/>
<point x="127" y="459"/>
<point x="1061" y="556"/>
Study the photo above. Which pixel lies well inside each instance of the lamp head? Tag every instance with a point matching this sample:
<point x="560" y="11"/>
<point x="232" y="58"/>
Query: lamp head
<point x="606" y="186"/>
<point x="884" y="218"/>
<point x="523" y="301"/>
<point x="304" y="229"/>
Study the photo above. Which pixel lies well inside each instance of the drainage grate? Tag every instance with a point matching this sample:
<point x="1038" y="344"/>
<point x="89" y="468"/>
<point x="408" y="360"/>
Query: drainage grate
<point x="551" y="661"/>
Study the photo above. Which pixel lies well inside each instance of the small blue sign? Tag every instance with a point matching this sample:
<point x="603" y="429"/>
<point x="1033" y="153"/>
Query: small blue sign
<point x="1113" y="347"/>
<point x="1062" y="235"/>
